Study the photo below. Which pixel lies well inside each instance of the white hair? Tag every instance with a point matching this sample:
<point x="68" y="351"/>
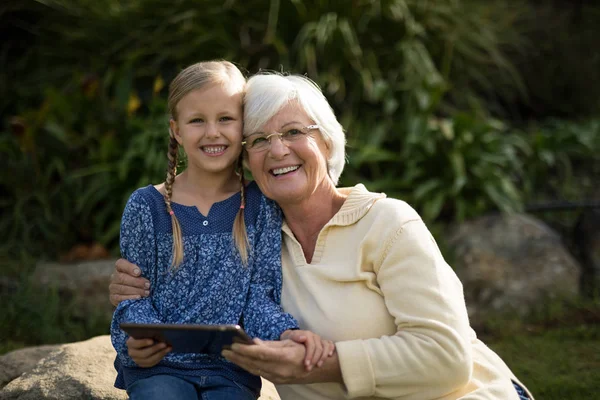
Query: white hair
<point x="267" y="93"/>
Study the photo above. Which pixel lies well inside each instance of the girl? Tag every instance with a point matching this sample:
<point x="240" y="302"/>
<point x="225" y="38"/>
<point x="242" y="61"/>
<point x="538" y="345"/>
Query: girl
<point x="180" y="234"/>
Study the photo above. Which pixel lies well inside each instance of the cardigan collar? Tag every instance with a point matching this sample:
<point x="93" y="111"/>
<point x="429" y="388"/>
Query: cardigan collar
<point x="356" y="205"/>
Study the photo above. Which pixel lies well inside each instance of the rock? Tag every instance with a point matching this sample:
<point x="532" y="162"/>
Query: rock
<point x="84" y="283"/>
<point x="81" y="370"/>
<point x="13" y="364"/>
<point x="511" y="263"/>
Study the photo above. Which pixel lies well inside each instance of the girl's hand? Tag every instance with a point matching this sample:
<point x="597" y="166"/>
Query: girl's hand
<point x="317" y="348"/>
<point x="145" y="352"/>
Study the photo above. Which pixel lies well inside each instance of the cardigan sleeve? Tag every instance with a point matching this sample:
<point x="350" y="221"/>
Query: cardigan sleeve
<point x="430" y="355"/>
<point x="263" y="316"/>
<point x="138" y="246"/>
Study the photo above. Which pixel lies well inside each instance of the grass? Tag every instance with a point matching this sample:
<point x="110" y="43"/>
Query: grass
<point x="556" y="354"/>
<point x="561" y="363"/>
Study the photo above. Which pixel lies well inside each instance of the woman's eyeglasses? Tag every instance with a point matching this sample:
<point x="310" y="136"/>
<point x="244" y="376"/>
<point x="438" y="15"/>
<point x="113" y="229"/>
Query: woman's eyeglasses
<point x="258" y="142"/>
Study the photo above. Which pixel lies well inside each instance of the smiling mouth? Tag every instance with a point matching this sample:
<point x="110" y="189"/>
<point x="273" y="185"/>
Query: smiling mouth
<point x="285" y="170"/>
<point x="213" y="149"/>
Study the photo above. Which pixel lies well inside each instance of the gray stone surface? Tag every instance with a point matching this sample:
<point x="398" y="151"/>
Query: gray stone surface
<point x="81" y="370"/>
<point x="13" y="364"/>
<point x="85" y="283"/>
<point x="511" y="263"/>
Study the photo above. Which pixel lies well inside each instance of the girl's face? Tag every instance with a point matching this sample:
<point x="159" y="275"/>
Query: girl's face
<point x="209" y="127"/>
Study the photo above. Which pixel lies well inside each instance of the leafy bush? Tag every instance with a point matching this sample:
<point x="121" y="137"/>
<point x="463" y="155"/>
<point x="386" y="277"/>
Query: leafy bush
<point x="76" y="159"/>
<point x="352" y="51"/>
<point x="564" y="162"/>
<point x="409" y="79"/>
<point x="451" y="168"/>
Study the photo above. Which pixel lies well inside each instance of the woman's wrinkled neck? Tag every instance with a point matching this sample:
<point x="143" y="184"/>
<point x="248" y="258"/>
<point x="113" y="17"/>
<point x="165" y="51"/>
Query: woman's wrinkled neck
<point x="306" y="218"/>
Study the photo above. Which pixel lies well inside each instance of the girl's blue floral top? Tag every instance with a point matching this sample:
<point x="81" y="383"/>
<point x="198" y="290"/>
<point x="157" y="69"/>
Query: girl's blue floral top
<point x="210" y="286"/>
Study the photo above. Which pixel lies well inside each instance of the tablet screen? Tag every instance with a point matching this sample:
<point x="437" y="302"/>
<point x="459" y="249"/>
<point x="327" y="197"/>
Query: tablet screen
<point x="189" y="338"/>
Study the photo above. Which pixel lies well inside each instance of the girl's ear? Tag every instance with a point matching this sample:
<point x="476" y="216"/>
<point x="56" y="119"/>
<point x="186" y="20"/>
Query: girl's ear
<point x="174" y="131"/>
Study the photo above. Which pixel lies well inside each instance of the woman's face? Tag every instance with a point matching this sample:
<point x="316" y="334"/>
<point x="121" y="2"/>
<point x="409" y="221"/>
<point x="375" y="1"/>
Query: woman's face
<point x="290" y="173"/>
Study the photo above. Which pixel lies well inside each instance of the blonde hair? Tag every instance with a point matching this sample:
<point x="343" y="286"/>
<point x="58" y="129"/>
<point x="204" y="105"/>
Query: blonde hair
<point x="267" y="93"/>
<point x="195" y="77"/>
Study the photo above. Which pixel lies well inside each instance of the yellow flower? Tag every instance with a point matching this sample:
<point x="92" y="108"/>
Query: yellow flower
<point x="158" y="84"/>
<point x="133" y="104"/>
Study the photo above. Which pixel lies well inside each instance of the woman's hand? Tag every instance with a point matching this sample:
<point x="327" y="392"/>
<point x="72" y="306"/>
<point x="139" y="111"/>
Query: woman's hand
<point x="282" y="362"/>
<point x="317" y="348"/>
<point x="126" y="283"/>
<point x="145" y="352"/>
<point x="277" y="361"/>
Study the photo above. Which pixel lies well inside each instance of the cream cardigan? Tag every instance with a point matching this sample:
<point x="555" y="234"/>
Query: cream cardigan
<point x="380" y="289"/>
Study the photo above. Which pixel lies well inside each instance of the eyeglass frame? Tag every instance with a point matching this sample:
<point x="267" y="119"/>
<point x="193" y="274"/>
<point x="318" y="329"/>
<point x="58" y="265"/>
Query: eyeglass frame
<point x="280" y="135"/>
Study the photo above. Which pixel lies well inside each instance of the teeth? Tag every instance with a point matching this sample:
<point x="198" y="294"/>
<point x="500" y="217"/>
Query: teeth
<point x="279" y="171"/>
<point x="214" y="149"/>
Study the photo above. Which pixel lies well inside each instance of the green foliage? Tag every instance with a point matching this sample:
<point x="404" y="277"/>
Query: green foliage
<point x="76" y="159"/>
<point x="454" y="168"/>
<point x="98" y="131"/>
<point x="409" y="79"/>
<point x="562" y="168"/>
<point x="466" y="166"/>
<point x="565" y="160"/>
<point x="352" y="51"/>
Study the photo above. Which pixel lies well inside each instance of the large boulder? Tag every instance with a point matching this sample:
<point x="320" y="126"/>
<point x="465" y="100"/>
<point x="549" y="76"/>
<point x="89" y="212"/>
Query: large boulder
<point x="511" y="263"/>
<point x="85" y="283"/>
<point x="15" y="363"/>
<point x="82" y="370"/>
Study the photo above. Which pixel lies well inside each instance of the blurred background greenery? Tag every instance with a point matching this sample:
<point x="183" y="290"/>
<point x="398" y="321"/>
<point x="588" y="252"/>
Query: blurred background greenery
<point x="460" y="107"/>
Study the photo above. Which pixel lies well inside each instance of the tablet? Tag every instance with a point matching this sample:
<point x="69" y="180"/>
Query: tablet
<point x="189" y="338"/>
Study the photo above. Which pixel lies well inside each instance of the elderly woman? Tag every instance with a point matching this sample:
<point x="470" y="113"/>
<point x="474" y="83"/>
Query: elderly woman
<point x="358" y="268"/>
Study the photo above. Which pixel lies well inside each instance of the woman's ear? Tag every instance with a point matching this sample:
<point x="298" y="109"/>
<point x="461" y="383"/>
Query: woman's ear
<point x="174" y="131"/>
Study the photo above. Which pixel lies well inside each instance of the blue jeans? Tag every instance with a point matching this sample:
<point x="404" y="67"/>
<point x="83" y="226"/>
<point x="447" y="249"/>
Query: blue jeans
<point x="521" y="392"/>
<point x="169" y="387"/>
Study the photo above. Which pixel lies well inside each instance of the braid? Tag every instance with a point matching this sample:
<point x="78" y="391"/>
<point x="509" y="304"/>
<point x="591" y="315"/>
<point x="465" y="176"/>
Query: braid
<point x="171" y="173"/>
<point x="240" y="235"/>
<point x="240" y="167"/>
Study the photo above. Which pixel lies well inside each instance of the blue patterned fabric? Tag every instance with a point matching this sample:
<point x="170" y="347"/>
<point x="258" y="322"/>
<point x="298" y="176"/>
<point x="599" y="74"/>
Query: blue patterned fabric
<point x="521" y="392"/>
<point x="211" y="286"/>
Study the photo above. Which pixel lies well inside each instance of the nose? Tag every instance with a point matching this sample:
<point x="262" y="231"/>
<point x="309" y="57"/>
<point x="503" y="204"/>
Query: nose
<point x="278" y="149"/>
<point x="212" y="131"/>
